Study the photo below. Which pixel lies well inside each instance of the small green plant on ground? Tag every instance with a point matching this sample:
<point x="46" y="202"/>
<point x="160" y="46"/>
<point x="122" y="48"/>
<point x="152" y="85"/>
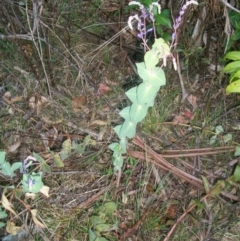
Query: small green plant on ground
<point x="68" y="147"/>
<point x="219" y="130"/>
<point x="102" y="223"/>
<point x="31" y="181"/>
<point x="3" y="215"/>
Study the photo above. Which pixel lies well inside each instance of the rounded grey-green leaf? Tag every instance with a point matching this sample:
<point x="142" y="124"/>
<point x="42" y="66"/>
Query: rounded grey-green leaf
<point x="146" y="92"/>
<point x="128" y="129"/>
<point x="138" y="112"/>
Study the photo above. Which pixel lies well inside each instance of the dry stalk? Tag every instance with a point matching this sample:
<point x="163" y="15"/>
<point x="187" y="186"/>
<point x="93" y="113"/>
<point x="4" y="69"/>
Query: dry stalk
<point x="166" y="166"/>
<point x="159" y="161"/>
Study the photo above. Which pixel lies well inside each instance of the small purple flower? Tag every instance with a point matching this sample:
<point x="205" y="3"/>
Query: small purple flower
<point x="143" y="33"/>
<point x="24" y="164"/>
<point x="141" y="20"/>
<point x="184" y="7"/>
<point x="149" y="30"/>
<point x="30" y="182"/>
<point x="181" y="12"/>
<point x="144" y="13"/>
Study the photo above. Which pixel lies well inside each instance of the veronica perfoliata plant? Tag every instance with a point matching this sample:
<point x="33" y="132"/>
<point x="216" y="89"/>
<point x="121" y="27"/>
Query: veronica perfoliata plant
<point x="31" y="182"/>
<point x="151" y="74"/>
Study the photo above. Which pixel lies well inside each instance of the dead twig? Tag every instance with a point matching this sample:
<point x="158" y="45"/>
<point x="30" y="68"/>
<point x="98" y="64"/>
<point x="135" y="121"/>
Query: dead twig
<point x="184" y="92"/>
<point x="160" y="162"/>
<point x="168" y="167"/>
<point x="196" y="152"/>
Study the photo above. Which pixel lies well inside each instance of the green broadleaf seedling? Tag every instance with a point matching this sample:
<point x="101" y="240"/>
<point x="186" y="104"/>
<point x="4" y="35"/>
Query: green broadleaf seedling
<point x="3" y="215"/>
<point x="32" y="182"/>
<point x="8" y="169"/>
<point x="43" y="164"/>
<point x="2" y="157"/>
<point x="219" y="130"/>
<point x="57" y="160"/>
<point x="237" y="151"/>
<point x="101" y="223"/>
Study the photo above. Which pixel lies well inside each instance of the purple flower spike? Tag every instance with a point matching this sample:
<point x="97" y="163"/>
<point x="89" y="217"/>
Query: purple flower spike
<point x="149" y="30"/>
<point x="178" y="20"/>
<point x="24" y="164"/>
<point x="143" y="33"/>
<point x="30" y="182"/>
<point x="181" y="12"/>
<point x="146" y="14"/>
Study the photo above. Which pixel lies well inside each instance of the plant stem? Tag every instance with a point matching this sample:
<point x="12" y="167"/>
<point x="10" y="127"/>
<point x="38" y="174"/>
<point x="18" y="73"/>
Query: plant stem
<point x="184" y="92"/>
